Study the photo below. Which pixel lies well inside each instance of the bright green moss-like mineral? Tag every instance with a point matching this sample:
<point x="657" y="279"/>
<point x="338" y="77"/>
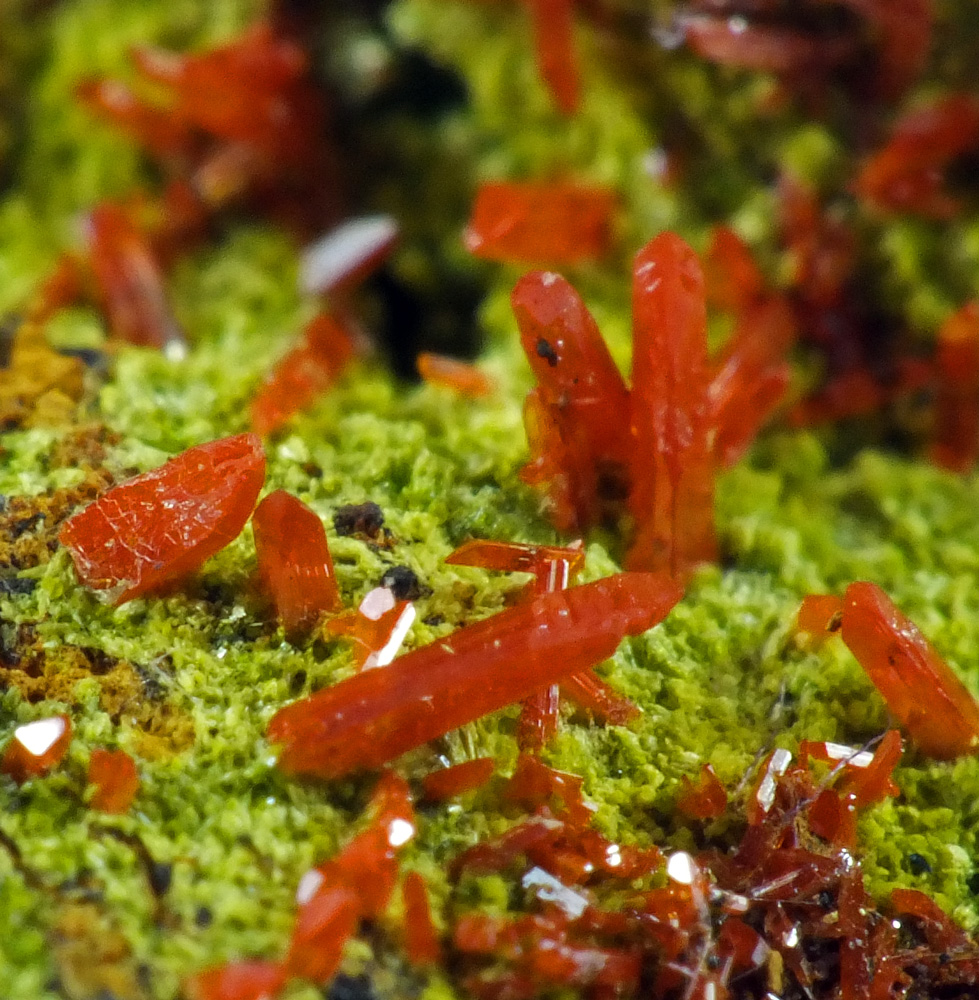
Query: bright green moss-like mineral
<point x="722" y="681"/>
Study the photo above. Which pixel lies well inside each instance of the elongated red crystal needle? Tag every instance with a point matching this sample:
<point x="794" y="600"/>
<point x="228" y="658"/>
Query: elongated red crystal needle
<point x="930" y="702"/>
<point x="672" y="497"/>
<point x="161" y="526"/>
<point x="379" y="714"/>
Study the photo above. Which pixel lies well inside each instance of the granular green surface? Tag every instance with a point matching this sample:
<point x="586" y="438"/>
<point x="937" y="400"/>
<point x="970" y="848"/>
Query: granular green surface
<point x="723" y="680"/>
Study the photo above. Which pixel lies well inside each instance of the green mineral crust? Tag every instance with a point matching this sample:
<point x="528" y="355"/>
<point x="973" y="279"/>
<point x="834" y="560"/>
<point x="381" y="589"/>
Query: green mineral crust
<point x="187" y="683"/>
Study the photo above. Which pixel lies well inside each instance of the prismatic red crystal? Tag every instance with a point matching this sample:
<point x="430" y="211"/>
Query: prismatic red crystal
<point x="323" y="926"/>
<point x="955" y="443"/>
<point x="113" y="775"/>
<point x="930" y="702"/>
<point x="377" y="715"/>
<point x="908" y="174"/>
<point x="705" y="800"/>
<point x="672" y="495"/>
<point x="129" y="280"/>
<point x="245" y="980"/>
<point x="161" y="526"/>
<point x="553" y="25"/>
<point x="376" y="629"/>
<point x="458" y="779"/>
<point x="462" y="378"/>
<point x="540" y="223"/>
<point x="324" y="351"/>
<point x="294" y="561"/>
<point x="732" y="280"/>
<point x="421" y="938"/>
<point x="36" y="747"/>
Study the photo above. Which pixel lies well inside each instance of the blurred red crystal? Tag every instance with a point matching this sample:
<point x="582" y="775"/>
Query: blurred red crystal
<point x="446" y="784"/>
<point x="323" y="926"/>
<point x="705" y="800"/>
<point x="339" y="261"/>
<point x="450" y="373"/>
<point x="161" y="526"/>
<point x="930" y="702"/>
<point x="732" y="279"/>
<point x="245" y="980"/>
<point x="819" y="615"/>
<point x="36" y="748"/>
<point x="322" y="354"/>
<point x="553" y="24"/>
<point x="129" y="280"/>
<point x="421" y="938"/>
<point x="672" y="496"/>
<point x="377" y="715"/>
<point x="294" y="561"/>
<point x="540" y="223"/>
<point x="908" y="174"/>
<point x="955" y="444"/>
<point x="114" y="776"/>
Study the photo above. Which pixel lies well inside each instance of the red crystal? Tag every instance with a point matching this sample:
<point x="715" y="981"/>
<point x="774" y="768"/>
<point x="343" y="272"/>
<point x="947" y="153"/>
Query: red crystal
<point x="534" y="785"/>
<point x="705" y="800"/>
<point x="450" y="373"/>
<point x="553" y="23"/>
<point x="553" y="566"/>
<point x="527" y="223"/>
<point x="63" y="287"/>
<point x="246" y="980"/>
<point x="376" y="629"/>
<point x="819" y="615"/>
<point x="324" y="351"/>
<point x="129" y="280"/>
<point x="339" y="261"/>
<point x="161" y="526"/>
<point x="36" y="747"/>
<point x="377" y="715"/>
<point x="874" y="783"/>
<point x="672" y="497"/>
<point x="933" y="705"/>
<point x="458" y="779"/>
<point x="323" y="926"/>
<point x="421" y="938"/>
<point x="294" y="561"/>
<point x="908" y="174"/>
<point x="114" y="776"/>
<point x="956" y="436"/>
<point x="732" y="280"/>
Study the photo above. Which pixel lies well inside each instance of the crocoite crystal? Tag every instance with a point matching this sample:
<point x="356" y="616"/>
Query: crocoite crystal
<point x="294" y="561"/>
<point x="672" y="495"/>
<point x="933" y="705"/>
<point x="956" y="436"/>
<point x="377" y="715"/>
<point x="113" y="775"/>
<point x="36" y="747"/>
<point x="161" y="526"/>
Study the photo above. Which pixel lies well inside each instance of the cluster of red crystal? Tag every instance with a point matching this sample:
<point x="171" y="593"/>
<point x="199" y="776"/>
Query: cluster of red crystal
<point x="553" y="568"/>
<point x="786" y="41"/>
<point x="373" y="717"/>
<point x="595" y="443"/>
<point x="333" y="898"/>
<point x="323" y="352"/>
<point x="908" y="173"/>
<point x="36" y="748"/>
<point x="540" y="223"/>
<point x="294" y="561"/>
<point x="462" y="378"/>
<point x="115" y="780"/>
<point x="154" y="530"/>
<point x="920" y="689"/>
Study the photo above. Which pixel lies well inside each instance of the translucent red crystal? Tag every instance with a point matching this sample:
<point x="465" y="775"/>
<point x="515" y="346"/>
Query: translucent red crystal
<point x="732" y="279"/>
<point x="339" y="261"/>
<point x="324" y="351"/>
<point x="376" y="629"/>
<point x="908" y="174"/>
<point x="113" y="775"/>
<point x="672" y="496"/>
<point x="534" y="784"/>
<point x="245" y="980"/>
<point x="553" y="566"/>
<point x="931" y="703"/>
<point x="458" y="779"/>
<point x="161" y="526"/>
<point x="819" y="614"/>
<point x="955" y="443"/>
<point x="323" y="926"/>
<point x="553" y="26"/>
<point x="707" y="799"/>
<point x="36" y="748"/>
<point x="540" y="223"/>
<point x="421" y="938"/>
<point x="580" y="387"/>
<point x="379" y="714"/>
<point x="294" y="561"/>
<point x="450" y="373"/>
<point x="129" y="280"/>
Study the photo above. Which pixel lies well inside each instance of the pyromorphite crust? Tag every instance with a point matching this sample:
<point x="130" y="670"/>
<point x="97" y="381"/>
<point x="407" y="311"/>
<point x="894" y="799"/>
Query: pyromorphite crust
<point x="723" y="679"/>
